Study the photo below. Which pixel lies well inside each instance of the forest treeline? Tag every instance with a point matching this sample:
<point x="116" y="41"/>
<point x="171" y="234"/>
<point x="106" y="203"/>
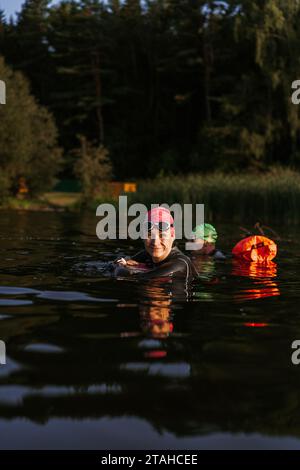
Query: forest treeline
<point x="166" y="86"/>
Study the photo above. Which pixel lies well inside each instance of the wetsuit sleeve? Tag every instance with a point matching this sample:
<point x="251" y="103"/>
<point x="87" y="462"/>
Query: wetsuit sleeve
<point x="140" y="257"/>
<point x="179" y="267"/>
<point x="219" y="255"/>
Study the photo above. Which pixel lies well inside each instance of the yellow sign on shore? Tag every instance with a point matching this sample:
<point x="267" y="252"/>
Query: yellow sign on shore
<point x="120" y="187"/>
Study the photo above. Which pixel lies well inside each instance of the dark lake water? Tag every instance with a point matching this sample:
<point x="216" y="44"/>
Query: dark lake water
<point x="100" y="363"/>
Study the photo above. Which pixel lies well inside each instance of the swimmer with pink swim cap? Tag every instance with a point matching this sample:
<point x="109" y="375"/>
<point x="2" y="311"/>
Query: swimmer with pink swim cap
<point x="159" y="254"/>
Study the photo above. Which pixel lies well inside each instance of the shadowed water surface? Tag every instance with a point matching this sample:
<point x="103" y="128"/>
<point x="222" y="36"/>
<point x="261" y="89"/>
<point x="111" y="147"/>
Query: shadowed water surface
<point x="97" y="362"/>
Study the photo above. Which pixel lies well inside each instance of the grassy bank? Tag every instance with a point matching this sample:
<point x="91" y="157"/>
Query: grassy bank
<point x="14" y="203"/>
<point x="270" y="196"/>
<point x="46" y="202"/>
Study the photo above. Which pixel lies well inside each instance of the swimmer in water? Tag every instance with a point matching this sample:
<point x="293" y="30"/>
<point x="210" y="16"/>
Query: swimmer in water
<point x="159" y="256"/>
<point x="204" y="237"/>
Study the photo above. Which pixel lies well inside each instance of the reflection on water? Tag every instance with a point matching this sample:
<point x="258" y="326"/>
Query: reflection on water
<point x="94" y="361"/>
<point x="263" y="276"/>
<point x="155" y="310"/>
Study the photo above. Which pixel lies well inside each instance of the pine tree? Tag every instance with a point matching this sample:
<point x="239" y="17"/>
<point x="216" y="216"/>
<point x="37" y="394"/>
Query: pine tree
<point x="79" y="51"/>
<point x="2" y="30"/>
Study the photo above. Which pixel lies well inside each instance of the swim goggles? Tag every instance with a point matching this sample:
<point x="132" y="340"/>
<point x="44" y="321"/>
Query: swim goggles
<point x="160" y="226"/>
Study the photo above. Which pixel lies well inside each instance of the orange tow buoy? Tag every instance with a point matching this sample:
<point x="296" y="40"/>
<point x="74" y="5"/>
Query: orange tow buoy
<point x="255" y="248"/>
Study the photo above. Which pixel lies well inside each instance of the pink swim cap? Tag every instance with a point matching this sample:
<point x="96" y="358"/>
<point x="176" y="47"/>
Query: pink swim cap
<point x="161" y="214"/>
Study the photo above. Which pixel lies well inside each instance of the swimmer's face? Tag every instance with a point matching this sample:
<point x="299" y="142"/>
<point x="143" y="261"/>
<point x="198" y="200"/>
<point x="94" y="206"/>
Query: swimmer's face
<point x="159" y="244"/>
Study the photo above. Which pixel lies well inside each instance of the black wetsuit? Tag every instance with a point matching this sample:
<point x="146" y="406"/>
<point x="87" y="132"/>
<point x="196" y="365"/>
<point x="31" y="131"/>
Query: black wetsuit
<point x="218" y="254"/>
<point x="176" y="264"/>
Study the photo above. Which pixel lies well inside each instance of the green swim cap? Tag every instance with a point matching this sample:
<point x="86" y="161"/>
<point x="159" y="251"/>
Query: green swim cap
<point x="206" y="232"/>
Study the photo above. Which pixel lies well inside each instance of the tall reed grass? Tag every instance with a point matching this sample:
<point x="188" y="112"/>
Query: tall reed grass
<point x="272" y="196"/>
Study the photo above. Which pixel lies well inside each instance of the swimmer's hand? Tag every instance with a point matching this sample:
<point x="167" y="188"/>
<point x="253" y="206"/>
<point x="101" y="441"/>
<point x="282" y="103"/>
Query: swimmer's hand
<point x="124" y="262"/>
<point x="131" y="262"/>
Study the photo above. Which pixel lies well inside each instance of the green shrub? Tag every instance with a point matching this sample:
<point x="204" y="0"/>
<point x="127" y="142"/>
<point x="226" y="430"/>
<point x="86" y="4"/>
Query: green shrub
<point x="28" y="136"/>
<point x="93" y="169"/>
